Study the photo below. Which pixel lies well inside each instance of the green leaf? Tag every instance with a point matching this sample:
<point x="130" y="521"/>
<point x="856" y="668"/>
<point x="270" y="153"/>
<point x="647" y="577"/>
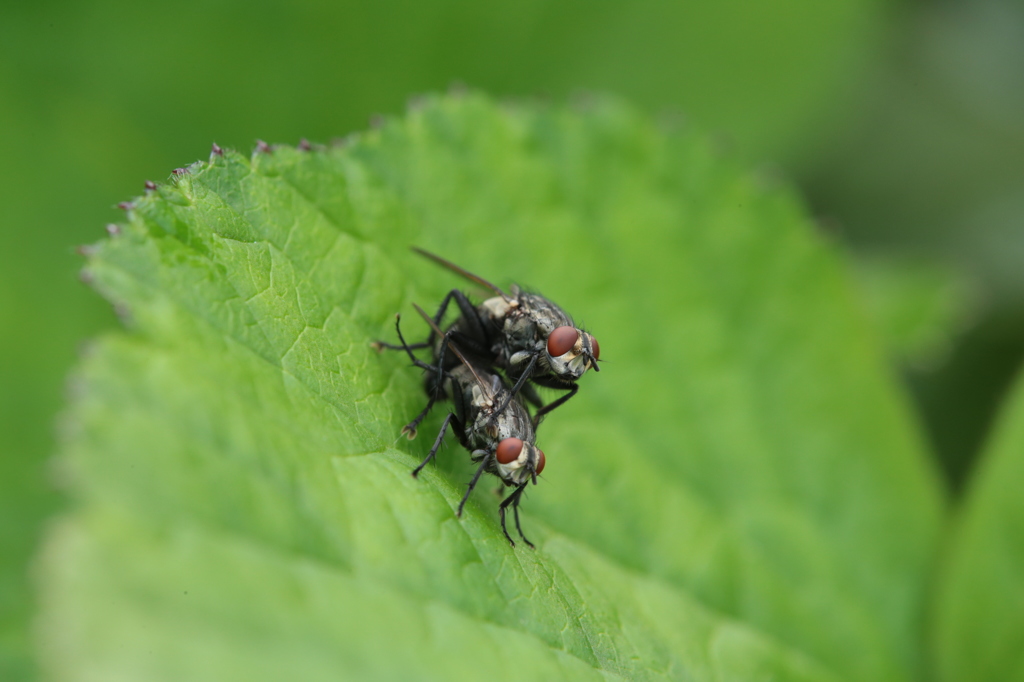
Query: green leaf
<point x="979" y="631"/>
<point x="739" y="494"/>
<point x="918" y="306"/>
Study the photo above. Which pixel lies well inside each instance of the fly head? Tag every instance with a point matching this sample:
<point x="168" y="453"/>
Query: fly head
<point x="564" y="352"/>
<point x="570" y="352"/>
<point x="518" y="461"/>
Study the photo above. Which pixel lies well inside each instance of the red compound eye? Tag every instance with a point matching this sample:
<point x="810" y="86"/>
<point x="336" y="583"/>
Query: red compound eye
<point x="562" y="340"/>
<point x="541" y="459"/>
<point x="508" y="450"/>
<point x="597" y="348"/>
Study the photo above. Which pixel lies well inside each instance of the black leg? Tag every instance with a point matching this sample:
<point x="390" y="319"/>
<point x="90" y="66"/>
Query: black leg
<point x="512" y="499"/>
<point x="409" y="430"/>
<point x="476" y="335"/>
<point x="552" y="405"/>
<point x="443" y="308"/>
<point x="515" y="512"/>
<point x="475" y="327"/>
<point x="439" y="367"/>
<point x="515" y="389"/>
<point x="472" y="484"/>
<point x="472" y="334"/>
<point x="433" y="450"/>
<point x="467" y="343"/>
<point x="408" y="349"/>
<point x="381" y="345"/>
<point x="438" y="392"/>
<point x="529" y="393"/>
<point x="438" y="316"/>
<point x="432" y="397"/>
<point x="467" y="310"/>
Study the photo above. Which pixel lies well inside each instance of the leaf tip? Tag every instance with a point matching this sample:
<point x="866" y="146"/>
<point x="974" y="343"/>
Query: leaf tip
<point x="113" y="229"/>
<point x="304" y="145"/>
<point x="215" y="151"/>
<point x="262" y="147"/>
<point x="150" y="185"/>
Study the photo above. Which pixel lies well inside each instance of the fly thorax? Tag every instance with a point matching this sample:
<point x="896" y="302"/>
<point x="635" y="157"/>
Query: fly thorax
<point x="482" y="429"/>
<point x="519" y="336"/>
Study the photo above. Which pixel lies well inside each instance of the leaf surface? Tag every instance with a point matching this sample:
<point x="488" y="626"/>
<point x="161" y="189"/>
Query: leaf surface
<point x="919" y="307"/>
<point x="738" y="494"/>
<point x="979" y="632"/>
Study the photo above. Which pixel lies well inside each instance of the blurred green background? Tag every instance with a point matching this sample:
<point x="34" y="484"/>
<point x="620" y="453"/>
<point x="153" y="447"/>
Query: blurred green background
<point x="901" y="121"/>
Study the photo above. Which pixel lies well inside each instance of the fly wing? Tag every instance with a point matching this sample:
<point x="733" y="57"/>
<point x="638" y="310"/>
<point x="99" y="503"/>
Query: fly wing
<point x="476" y="279"/>
<point x="497" y="385"/>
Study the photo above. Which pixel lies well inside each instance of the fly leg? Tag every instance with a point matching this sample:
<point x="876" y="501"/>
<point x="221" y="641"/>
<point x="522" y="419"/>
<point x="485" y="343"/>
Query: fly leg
<point x="513" y="499"/>
<point x="472" y="484"/>
<point x="407" y="347"/>
<point x="530" y="394"/>
<point x="475" y="326"/>
<point x="410" y="429"/>
<point x="465" y="307"/>
<point x="474" y="345"/>
<point x="381" y="345"/>
<point x="378" y="345"/>
<point x="518" y="386"/>
<point x="552" y="405"/>
<point x="471" y="335"/>
<point x="433" y="450"/>
<point x="515" y="512"/>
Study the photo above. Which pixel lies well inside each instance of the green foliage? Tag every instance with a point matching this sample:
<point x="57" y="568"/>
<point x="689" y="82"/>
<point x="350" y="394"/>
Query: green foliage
<point x="98" y="95"/>
<point x="980" y="625"/>
<point x="918" y="306"/>
<point x="739" y="494"/>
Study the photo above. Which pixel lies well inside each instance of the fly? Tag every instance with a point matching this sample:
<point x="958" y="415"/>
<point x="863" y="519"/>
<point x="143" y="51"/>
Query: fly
<point x="525" y="335"/>
<point x="491" y="423"/>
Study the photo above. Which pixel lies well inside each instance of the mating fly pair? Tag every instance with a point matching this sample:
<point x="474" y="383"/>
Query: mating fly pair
<point x="523" y="335"/>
